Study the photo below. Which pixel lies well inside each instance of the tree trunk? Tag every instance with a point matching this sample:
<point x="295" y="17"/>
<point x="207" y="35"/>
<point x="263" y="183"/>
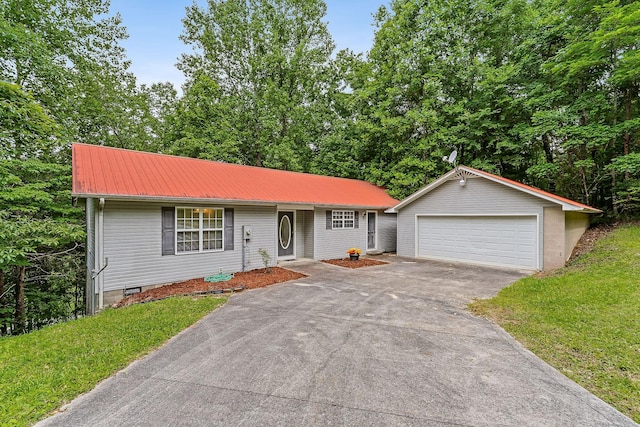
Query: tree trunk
<point x="3" y="323"/>
<point x="627" y="136"/>
<point x="613" y="193"/>
<point x="585" y="187"/>
<point x="19" y="317"/>
<point x="613" y="172"/>
<point x="546" y="145"/>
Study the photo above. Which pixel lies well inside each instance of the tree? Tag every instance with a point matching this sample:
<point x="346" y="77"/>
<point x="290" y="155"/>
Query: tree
<point x="440" y="78"/>
<point x="66" y="55"/>
<point x="36" y="216"/>
<point x="590" y="116"/>
<point x="265" y="67"/>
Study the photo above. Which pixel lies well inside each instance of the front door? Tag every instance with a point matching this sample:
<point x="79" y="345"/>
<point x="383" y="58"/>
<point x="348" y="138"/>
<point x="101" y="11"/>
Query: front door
<point x="371" y="230"/>
<point x="285" y="235"/>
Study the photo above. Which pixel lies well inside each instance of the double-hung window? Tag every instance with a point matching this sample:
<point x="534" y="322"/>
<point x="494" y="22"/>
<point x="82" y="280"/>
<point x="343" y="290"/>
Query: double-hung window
<point x="343" y="219"/>
<point x="199" y="229"/>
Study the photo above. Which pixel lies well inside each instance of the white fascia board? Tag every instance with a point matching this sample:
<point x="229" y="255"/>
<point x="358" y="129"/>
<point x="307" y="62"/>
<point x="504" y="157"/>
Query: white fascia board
<point x="187" y="200"/>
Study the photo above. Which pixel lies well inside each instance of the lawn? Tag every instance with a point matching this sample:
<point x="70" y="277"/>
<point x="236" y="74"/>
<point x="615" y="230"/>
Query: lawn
<point x="42" y="370"/>
<point x="584" y="319"/>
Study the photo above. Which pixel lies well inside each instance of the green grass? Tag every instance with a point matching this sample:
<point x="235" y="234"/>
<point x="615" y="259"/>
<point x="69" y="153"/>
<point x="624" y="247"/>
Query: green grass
<point x="584" y="319"/>
<point x="42" y="370"/>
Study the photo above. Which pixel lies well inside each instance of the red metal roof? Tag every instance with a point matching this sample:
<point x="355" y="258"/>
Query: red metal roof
<point x="113" y="172"/>
<point x="534" y="190"/>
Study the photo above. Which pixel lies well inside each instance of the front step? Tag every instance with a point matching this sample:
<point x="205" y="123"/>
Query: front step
<point x="374" y="252"/>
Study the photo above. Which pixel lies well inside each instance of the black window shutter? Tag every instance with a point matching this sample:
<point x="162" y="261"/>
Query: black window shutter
<point x="168" y="231"/>
<point x="356" y="219"/>
<point x="228" y="229"/>
<point x="329" y="220"/>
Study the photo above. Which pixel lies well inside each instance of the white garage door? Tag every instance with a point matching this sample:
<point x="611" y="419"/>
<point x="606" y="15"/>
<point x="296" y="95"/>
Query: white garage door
<point x="505" y="241"/>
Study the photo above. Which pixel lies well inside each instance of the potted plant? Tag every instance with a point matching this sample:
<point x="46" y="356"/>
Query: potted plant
<point x="354" y="253"/>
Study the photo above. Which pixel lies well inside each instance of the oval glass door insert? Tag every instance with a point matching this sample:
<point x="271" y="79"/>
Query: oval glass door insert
<point x="285" y="232"/>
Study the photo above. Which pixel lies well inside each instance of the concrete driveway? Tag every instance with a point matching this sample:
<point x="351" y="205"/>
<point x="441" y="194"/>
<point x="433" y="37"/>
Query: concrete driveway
<point x="385" y="345"/>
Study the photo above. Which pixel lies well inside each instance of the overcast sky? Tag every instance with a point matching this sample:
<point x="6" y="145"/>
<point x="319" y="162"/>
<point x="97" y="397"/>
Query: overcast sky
<point x="154" y="26"/>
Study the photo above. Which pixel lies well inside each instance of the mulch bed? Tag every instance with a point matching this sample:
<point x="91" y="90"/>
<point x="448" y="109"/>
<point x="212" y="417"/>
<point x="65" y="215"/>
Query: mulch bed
<point x="247" y="280"/>
<point x="362" y="262"/>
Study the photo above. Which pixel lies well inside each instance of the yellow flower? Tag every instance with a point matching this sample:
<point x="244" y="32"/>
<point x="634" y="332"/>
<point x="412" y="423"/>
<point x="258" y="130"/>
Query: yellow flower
<point x="354" y="251"/>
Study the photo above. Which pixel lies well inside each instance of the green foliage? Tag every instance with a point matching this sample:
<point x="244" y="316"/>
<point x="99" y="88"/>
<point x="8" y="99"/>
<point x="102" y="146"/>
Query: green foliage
<point x="266" y="258"/>
<point x="63" y="78"/>
<point x="44" y="369"/>
<point x="37" y="220"/>
<point x="578" y="319"/>
<point x="543" y="92"/>
<point x="439" y="78"/>
<point x="24" y="123"/>
<point x="259" y="83"/>
<point x="38" y="229"/>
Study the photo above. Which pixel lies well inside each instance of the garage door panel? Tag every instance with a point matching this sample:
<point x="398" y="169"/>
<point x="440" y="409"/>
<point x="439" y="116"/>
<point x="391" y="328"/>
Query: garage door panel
<point x="510" y="241"/>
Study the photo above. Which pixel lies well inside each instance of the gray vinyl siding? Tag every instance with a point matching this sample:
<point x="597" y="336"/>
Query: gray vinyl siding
<point x="307" y="232"/>
<point x="478" y="197"/>
<point x="133" y="243"/>
<point x="333" y="243"/>
<point x="299" y="234"/>
<point x="387" y="231"/>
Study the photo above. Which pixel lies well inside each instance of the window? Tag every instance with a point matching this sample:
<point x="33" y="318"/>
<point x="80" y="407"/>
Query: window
<point x="199" y="229"/>
<point x="342" y="219"/>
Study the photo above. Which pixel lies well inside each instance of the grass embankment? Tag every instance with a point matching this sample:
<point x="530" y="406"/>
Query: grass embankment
<point x="42" y="370"/>
<point x="584" y="319"/>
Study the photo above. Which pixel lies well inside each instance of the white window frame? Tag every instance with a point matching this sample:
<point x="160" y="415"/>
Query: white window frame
<point x="200" y="229"/>
<point x="339" y="219"/>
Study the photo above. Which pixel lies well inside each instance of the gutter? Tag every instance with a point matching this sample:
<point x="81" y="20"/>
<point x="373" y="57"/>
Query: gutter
<point x="177" y="200"/>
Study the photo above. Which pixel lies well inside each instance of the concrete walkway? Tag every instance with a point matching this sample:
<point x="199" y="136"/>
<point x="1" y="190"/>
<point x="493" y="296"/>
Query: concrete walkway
<point x="385" y="345"/>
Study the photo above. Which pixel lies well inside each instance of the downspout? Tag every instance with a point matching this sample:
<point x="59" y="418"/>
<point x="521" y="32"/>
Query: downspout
<point x="90" y="293"/>
<point x="100" y="254"/>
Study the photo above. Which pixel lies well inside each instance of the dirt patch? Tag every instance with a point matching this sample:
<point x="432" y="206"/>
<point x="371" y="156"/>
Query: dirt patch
<point x="362" y="262"/>
<point x="589" y="239"/>
<point x="247" y="280"/>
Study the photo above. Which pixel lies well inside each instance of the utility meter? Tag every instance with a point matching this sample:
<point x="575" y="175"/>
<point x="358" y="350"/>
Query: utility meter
<point x="247" y="232"/>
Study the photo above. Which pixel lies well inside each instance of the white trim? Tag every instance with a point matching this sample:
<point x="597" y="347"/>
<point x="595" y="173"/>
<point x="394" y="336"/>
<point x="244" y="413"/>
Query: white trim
<point x="293" y="236"/>
<point x="353" y="219"/>
<point x="289" y="237"/>
<point x="200" y="230"/>
<point x="506" y="215"/>
<point x="375" y="247"/>
<point x="293" y="207"/>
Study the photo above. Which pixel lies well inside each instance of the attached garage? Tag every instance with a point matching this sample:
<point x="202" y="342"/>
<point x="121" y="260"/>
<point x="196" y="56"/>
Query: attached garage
<point x="509" y="241"/>
<point x="472" y="216"/>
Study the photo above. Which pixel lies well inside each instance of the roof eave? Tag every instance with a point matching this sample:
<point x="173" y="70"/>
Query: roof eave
<point x="570" y="208"/>
<point x="163" y="199"/>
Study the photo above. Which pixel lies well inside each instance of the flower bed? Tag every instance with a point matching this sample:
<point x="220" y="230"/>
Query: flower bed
<point x="362" y="262"/>
<point x="247" y="280"/>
